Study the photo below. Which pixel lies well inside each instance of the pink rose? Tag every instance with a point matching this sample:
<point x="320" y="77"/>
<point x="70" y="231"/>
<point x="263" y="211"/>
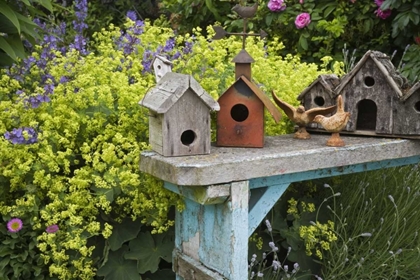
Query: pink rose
<point x="302" y="20"/>
<point x="276" y="5"/>
<point x="383" y="14"/>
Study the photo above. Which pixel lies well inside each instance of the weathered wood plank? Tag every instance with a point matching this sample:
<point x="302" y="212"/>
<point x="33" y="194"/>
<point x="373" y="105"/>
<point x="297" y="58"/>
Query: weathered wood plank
<point x="281" y="155"/>
<point x="191" y="134"/>
<point x="190" y="269"/>
<point x="213" y="194"/>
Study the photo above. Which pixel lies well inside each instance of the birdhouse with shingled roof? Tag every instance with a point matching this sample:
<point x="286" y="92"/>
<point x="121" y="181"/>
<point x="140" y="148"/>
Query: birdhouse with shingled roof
<point x="379" y="99"/>
<point x="320" y="93"/>
<point x="179" y="116"/>
<point x="370" y="92"/>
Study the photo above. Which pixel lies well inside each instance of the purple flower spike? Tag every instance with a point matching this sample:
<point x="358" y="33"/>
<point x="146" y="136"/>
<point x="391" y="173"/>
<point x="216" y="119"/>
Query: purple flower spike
<point x="14" y="225"/>
<point x="16" y="135"/>
<point x="170" y="45"/>
<point x="132" y="15"/>
<point x="52" y="229"/>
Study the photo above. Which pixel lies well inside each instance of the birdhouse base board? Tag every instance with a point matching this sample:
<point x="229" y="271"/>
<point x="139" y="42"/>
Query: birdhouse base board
<point x="364" y="133"/>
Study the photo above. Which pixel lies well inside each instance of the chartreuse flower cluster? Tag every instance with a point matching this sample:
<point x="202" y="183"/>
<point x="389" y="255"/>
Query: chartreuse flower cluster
<point x="69" y="165"/>
<point x="316" y="236"/>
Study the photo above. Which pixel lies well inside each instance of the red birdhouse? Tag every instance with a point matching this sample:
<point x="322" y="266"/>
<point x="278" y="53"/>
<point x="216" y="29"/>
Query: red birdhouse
<point x="240" y="121"/>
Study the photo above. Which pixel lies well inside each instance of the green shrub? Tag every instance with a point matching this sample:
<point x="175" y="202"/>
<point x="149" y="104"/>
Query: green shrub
<point x="385" y="26"/>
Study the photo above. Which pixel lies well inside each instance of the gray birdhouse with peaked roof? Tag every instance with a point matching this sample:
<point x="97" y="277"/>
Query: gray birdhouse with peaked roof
<point x="380" y="100"/>
<point x="407" y="113"/>
<point x="179" y="120"/>
<point x="319" y="94"/>
<point x="371" y="92"/>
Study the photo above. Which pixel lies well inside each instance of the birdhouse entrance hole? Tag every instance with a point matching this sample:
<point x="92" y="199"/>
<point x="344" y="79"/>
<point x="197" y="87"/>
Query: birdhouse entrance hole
<point x="369" y="81"/>
<point x="319" y="100"/>
<point x="239" y="112"/>
<point x="366" y="117"/>
<point x="417" y="106"/>
<point x="188" y="137"/>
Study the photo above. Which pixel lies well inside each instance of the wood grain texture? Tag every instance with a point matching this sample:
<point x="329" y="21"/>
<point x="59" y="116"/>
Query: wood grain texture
<point x="280" y="155"/>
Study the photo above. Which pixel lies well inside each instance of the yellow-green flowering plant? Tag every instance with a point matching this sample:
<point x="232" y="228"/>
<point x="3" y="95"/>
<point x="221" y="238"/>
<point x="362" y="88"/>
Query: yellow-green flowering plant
<point x="71" y="132"/>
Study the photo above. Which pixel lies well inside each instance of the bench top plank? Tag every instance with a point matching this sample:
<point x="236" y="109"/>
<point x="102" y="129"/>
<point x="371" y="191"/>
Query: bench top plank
<point x="281" y="155"/>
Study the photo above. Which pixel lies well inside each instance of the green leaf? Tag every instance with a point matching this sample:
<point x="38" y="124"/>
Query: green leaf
<point x="6" y="26"/>
<point x="109" y="193"/>
<point x="123" y="232"/>
<point x="367" y="24"/>
<point x="328" y="11"/>
<point x="9" y="14"/>
<point x="117" y="267"/>
<point x="303" y="42"/>
<point x="16" y="44"/>
<point x="148" y="250"/>
<point x="5" y="46"/>
<point x="3" y="263"/>
<point x="46" y="4"/>
<point x="5" y="60"/>
<point x="269" y="19"/>
<point x="161" y="274"/>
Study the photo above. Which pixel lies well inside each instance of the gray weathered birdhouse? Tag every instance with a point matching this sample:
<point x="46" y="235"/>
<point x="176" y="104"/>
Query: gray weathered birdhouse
<point x="371" y="91"/>
<point x="379" y="99"/>
<point x="407" y="112"/>
<point x="320" y="93"/>
<point x="179" y="120"/>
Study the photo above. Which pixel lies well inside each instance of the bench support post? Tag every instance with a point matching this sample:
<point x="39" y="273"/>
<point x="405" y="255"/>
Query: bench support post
<point x="215" y="235"/>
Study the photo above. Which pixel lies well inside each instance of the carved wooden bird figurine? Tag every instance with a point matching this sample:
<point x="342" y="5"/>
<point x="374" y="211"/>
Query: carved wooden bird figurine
<point x="335" y="123"/>
<point x="244" y="11"/>
<point x="300" y="116"/>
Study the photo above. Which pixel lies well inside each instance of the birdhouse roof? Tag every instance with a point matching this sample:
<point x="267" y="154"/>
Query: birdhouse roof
<point x="243" y="57"/>
<point x="170" y="89"/>
<point x="261" y="96"/>
<point x="328" y="81"/>
<point x="384" y="64"/>
<point x="411" y="91"/>
<point x="163" y="59"/>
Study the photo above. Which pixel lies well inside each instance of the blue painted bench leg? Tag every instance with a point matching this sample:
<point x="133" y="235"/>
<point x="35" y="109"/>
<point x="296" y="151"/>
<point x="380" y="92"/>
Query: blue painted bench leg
<point x="260" y="203"/>
<point x="211" y="241"/>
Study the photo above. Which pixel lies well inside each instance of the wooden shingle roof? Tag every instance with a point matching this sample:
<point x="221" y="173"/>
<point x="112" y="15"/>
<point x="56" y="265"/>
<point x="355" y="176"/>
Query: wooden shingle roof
<point x="410" y="92"/>
<point x="170" y="89"/>
<point x="328" y="81"/>
<point x="384" y="64"/>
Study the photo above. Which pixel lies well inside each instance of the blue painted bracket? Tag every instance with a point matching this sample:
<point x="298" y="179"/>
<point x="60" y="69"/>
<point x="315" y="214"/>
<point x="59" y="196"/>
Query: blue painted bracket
<point x="229" y="192"/>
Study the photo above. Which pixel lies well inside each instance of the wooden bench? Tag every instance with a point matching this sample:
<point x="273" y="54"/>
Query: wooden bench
<point x="229" y="192"/>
